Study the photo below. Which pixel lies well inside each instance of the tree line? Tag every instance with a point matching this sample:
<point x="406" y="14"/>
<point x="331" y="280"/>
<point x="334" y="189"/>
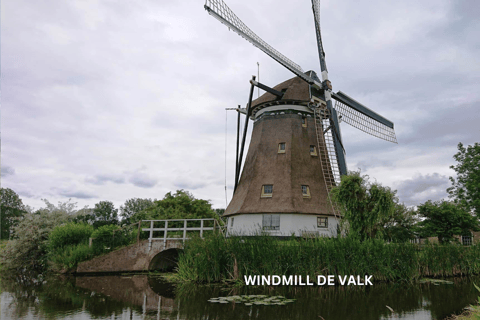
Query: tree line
<point x="374" y="211"/>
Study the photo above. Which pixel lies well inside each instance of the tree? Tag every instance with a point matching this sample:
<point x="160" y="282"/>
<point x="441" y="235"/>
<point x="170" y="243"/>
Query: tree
<point x="444" y="219"/>
<point x="465" y="189"/>
<point x="11" y="208"/>
<point x="28" y="247"/>
<point x="180" y="205"/>
<point x="105" y="213"/>
<point x="401" y="226"/>
<point x="365" y="206"/>
<point x="85" y="215"/>
<point x="133" y="206"/>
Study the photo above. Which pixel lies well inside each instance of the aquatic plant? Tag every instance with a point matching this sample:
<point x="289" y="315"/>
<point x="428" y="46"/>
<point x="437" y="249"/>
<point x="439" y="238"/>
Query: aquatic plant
<point x="215" y="258"/>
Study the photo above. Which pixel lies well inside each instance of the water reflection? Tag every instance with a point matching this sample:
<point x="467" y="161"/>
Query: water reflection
<point x="144" y="297"/>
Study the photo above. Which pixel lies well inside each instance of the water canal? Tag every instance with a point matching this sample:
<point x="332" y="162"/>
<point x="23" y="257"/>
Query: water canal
<point x="150" y="297"/>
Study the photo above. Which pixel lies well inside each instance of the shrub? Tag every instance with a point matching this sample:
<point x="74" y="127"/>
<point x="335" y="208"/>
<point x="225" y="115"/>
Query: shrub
<point x="68" y="257"/>
<point x="103" y="238"/>
<point x="69" y="234"/>
<point x="27" y="250"/>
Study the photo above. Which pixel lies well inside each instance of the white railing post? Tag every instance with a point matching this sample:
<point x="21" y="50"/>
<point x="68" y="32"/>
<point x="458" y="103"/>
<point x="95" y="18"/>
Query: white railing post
<point x="184" y="230"/>
<point x="165" y="233"/>
<point x="201" y="228"/>
<point x="150" y="236"/>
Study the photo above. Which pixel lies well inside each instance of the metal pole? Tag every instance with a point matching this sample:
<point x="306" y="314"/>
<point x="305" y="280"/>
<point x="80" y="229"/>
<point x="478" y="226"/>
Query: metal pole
<point x="258" y="77"/>
<point x="244" y="133"/>
<point x="238" y="140"/>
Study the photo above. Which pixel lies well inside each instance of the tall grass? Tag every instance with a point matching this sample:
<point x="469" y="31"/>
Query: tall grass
<point x="215" y="258"/>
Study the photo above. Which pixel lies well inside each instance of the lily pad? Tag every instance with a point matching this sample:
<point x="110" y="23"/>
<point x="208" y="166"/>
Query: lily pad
<point x="249" y="300"/>
<point x="436" y="281"/>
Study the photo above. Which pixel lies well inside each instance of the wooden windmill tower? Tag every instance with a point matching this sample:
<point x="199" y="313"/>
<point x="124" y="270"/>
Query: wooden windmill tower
<point x="296" y="154"/>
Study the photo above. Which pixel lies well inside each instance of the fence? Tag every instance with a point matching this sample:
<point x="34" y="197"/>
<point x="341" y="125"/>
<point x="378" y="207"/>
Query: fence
<point x="178" y="229"/>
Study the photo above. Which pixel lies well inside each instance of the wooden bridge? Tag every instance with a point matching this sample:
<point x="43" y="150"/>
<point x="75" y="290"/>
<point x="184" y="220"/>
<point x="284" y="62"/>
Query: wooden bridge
<point x="158" y="252"/>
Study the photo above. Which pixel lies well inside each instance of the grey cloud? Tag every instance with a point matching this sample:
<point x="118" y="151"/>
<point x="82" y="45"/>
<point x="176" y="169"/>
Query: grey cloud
<point x="142" y="180"/>
<point x="101" y="179"/>
<point x="186" y="185"/>
<point x="457" y="124"/>
<point x="422" y="188"/>
<point x="77" y="194"/>
<point x="25" y="194"/>
<point x="7" y="171"/>
<point x="364" y="165"/>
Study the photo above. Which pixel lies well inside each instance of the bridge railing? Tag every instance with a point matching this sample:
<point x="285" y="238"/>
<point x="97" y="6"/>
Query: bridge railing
<point x="178" y="227"/>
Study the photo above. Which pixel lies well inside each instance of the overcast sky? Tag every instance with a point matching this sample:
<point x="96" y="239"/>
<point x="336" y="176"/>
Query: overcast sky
<point x="111" y="100"/>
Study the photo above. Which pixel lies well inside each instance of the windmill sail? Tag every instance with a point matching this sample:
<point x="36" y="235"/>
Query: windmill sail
<point x="360" y="117"/>
<point x="219" y="10"/>
<point x="321" y="53"/>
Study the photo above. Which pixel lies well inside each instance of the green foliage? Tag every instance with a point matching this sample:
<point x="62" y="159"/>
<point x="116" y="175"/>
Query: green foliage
<point x="68" y="257"/>
<point x="465" y="188"/>
<point x="105" y="213"/>
<point x="11" y="209"/>
<point x="84" y="215"/>
<point x="366" y="206"/>
<point x="445" y="219"/>
<point x="215" y="258"/>
<point x="69" y="234"/>
<point x="108" y="237"/>
<point x="133" y="206"/>
<point x="27" y="250"/>
<point x="103" y="237"/>
<point x="401" y="227"/>
<point x="180" y="205"/>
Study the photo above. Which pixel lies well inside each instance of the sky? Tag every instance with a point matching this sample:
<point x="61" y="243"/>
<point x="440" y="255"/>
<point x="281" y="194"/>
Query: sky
<point x="113" y="100"/>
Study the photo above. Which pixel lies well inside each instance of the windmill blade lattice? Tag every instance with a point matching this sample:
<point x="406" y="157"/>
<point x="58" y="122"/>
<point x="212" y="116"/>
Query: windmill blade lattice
<point x="363" y="122"/>
<point x="219" y="10"/>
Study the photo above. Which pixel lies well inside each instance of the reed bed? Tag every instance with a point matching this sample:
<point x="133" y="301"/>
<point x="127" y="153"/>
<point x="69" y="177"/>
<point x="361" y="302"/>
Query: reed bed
<point x="215" y="258"/>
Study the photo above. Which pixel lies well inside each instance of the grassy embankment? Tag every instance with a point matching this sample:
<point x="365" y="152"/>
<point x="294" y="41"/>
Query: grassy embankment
<point x="217" y="259"/>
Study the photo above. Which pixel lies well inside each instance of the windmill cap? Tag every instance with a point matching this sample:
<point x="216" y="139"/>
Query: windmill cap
<point x="296" y="91"/>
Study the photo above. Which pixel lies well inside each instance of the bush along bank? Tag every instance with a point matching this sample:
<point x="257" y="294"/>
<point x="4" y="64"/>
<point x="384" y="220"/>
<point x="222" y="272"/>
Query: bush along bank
<point x="69" y="244"/>
<point x="62" y="247"/>
<point x="216" y="259"/>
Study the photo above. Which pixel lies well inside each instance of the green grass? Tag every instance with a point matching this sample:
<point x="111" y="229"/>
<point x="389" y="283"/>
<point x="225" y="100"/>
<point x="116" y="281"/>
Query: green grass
<point x="217" y="259"/>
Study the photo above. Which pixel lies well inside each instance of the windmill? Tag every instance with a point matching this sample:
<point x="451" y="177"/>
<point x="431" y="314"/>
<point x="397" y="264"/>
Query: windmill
<point x="296" y="154"/>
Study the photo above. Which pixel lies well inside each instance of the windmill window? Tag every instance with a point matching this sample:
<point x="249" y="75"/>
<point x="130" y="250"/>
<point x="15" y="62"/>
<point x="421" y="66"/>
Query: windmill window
<point x="267" y="190"/>
<point x="313" y="150"/>
<point x="304" y="122"/>
<point x="281" y="147"/>
<point x="305" y="191"/>
<point x="467" y="240"/>
<point x="231" y="222"/>
<point x="271" y="222"/>
<point x="322" y="222"/>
